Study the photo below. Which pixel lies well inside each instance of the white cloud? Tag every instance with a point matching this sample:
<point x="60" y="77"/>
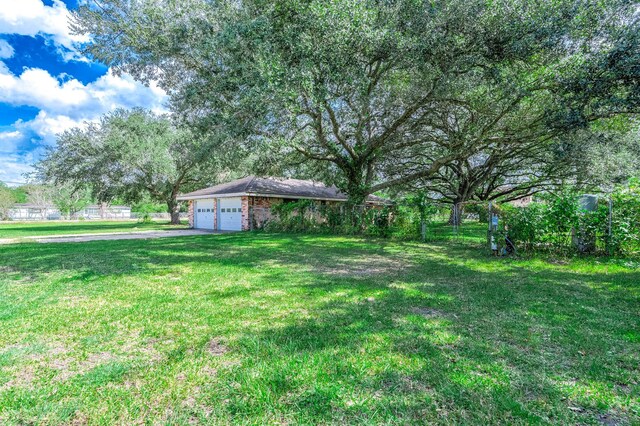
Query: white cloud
<point x="32" y="17"/>
<point x="6" y="50"/>
<point x="64" y="103"/>
<point x="45" y="127"/>
<point x="71" y="98"/>
<point x="15" y="166"/>
<point x="10" y="140"/>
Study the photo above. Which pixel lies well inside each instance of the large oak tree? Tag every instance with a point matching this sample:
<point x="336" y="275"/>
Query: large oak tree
<point x="130" y="153"/>
<point x="362" y="84"/>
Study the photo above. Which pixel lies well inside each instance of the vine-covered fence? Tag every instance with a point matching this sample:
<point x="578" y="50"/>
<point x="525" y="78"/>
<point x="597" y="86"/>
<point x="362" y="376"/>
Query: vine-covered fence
<point x="607" y="224"/>
<point x="554" y="223"/>
<point x="406" y="219"/>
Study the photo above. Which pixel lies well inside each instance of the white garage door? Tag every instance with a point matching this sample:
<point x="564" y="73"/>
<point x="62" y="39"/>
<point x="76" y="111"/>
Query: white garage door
<point x="204" y="214"/>
<point x="230" y="214"/>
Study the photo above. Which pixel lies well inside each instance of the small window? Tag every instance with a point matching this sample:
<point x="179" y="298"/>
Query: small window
<point x="198" y="210"/>
<point x="235" y="210"/>
<point x="221" y="210"/>
<point x="208" y="210"/>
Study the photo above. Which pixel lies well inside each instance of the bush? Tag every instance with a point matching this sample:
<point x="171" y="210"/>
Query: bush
<point x="559" y="225"/>
<point x="399" y="221"/>
<point x="481" y="209"/>
<point x="625" y="220"/>
<point x="310" y="216"/>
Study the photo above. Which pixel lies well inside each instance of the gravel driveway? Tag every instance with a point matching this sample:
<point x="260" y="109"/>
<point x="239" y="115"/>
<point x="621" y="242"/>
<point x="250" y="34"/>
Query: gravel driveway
<point x="120" y="236"/>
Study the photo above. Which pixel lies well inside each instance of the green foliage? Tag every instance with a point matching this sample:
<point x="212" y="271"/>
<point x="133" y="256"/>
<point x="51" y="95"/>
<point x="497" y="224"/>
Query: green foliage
<point x="70" y="200"/>
<point x="402" y="220"/>
<point x="383" y="93"/>
<point x="20" y="194"/>
<point x="625" y="219"/>
<point x="311" y="216"/>
<point x="557" y="224"/>
<point x="145" y="209"/>
<point x="481" y="209"/>
<point x="7" y="200"/>
<point x="148" y="207"/>
<point x="134" y="156"/>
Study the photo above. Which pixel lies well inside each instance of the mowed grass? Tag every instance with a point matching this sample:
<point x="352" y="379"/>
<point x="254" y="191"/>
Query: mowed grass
<point x="30" y="229"/>
<point x="291" y="329"/>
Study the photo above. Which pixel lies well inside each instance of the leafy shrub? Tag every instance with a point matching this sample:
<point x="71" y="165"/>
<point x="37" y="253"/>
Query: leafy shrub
<point x="559" y="225"/>
<point x="311" y="216"/>
<point x="402" y="220"/>
<point x="625" y="220"/>
<point x="481" y="209"/>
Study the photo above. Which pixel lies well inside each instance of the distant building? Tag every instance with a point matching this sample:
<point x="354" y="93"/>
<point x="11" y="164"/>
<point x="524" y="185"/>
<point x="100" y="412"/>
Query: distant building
<point x="522" y="202"/>
<point x="28" y="211"/>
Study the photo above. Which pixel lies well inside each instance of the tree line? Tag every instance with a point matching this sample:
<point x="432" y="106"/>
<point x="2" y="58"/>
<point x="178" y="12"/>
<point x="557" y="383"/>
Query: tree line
<point x="457" y="99"/>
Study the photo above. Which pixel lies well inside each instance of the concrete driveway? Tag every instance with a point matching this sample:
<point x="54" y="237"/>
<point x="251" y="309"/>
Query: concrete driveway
<point x="81" y="238"/>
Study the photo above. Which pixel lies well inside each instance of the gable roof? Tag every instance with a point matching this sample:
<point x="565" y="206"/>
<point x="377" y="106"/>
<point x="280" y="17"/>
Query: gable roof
<point x="274" y="187"/>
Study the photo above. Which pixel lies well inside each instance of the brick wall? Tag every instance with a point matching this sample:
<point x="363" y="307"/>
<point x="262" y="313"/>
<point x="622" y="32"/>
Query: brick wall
<point x="260" y="210"/>
<point x="244" y="204"/>
<point x="264" y="202"/>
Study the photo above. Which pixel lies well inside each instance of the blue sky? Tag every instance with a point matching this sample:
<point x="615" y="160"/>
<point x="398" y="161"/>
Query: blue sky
<point x="47" y="86"/>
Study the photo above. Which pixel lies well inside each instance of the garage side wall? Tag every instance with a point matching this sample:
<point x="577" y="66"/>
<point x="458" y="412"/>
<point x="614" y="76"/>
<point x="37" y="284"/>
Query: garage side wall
<point x="245" y="213"/>
<point x="215" y="214"/>
<point x="191" y="207"/>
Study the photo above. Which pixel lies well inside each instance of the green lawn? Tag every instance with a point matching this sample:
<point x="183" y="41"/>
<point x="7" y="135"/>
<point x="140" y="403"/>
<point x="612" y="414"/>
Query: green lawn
<point x="290" y="329"/>
<point x="27" y="229"/>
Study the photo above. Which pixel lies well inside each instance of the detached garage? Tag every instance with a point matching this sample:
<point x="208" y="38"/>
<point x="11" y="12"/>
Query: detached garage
<point x="225" y="207"/>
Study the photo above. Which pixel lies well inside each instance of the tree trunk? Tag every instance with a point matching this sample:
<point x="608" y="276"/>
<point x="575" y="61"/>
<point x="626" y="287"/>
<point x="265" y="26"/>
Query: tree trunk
<point x="356" y="197"/>
<point x="173" y="207"/>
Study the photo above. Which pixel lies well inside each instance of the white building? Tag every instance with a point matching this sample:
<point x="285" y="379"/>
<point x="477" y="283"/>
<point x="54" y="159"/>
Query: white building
<point x="28" y="211"/>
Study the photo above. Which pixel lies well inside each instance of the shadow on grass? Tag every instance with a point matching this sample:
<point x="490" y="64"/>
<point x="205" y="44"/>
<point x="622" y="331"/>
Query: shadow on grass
<point x="394" y="332"/>
<point x="552" y="349"/>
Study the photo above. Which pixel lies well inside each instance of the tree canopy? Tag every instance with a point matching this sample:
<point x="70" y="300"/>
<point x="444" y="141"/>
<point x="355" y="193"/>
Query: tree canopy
<point x="384" y="93"/>
<point x="130" y="154"/>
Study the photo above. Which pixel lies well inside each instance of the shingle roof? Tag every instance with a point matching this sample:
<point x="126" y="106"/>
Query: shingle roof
<point x="275" y="187"/>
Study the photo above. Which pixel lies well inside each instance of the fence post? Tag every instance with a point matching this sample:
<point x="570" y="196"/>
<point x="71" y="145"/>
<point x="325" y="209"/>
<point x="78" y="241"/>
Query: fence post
<point x="491" y="242"/>
<point x="455" y="219"/>
<point x="610" y="227"/>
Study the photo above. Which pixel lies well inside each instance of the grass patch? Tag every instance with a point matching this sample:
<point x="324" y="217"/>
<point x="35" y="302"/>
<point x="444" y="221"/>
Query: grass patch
<point x="30" y="229"/>
<point x="264" y="328"/>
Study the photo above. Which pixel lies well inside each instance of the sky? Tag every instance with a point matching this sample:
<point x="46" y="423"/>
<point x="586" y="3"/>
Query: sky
<point x="47" y="86"/>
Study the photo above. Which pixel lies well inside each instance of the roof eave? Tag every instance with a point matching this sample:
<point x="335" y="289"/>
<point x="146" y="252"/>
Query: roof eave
<point x="187" y="197"/>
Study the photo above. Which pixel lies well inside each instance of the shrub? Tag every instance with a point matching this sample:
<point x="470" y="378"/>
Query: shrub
<point x="399" y="221"/>
<point x="559" y="225"/>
